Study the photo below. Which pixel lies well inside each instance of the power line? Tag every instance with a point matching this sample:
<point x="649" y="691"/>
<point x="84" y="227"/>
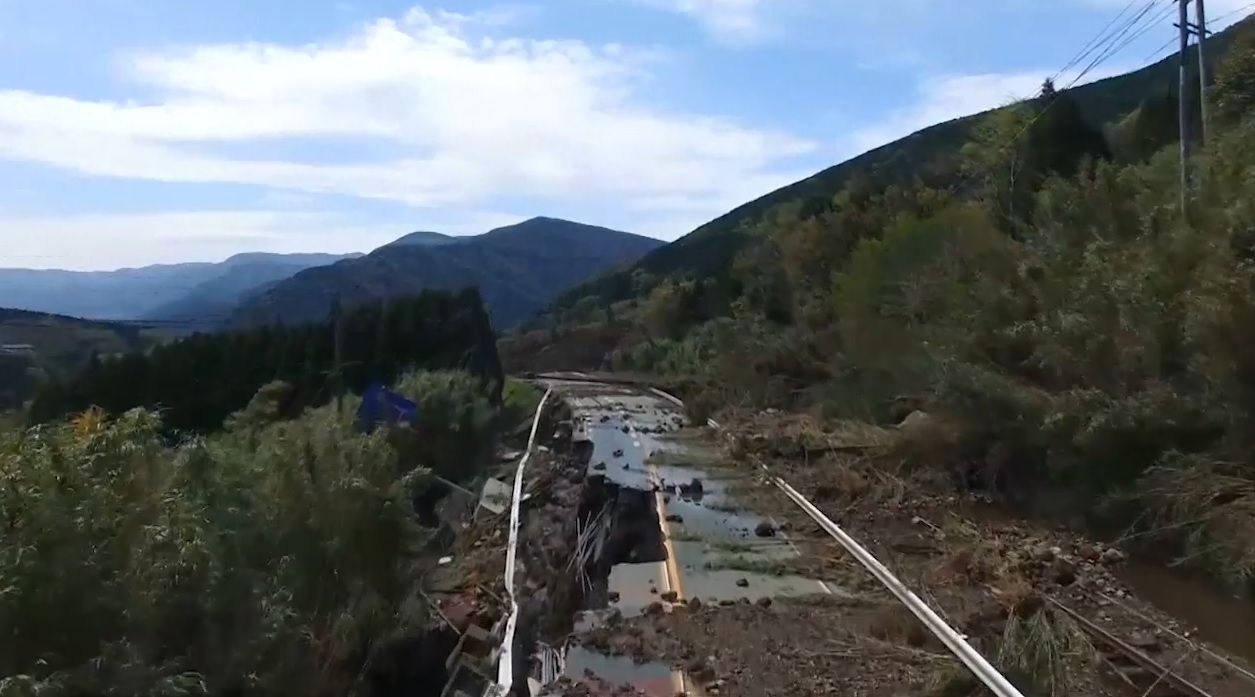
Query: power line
<point x="1164" y="14"/>
<point x="1093" y="43"/>
<point x="1112" y="47"/>
<point x="1119" y="41"/>
<point x="1231" y="13"/>
<point x="1101" y="58"/>
<point x="1171" y="40"/>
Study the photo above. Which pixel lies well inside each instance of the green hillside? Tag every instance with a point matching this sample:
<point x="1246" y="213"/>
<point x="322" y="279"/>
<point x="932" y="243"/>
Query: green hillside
<point x="929" y="156"/>
<point x="1028" y="294"/>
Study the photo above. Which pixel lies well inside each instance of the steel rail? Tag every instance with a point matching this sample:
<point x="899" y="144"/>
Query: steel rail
<point x="953" y="640"/>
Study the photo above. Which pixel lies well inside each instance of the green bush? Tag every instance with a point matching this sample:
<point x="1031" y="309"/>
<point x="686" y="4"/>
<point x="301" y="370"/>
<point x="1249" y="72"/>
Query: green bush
<point x="456" y="422"/>
<point x="265" y="561"/>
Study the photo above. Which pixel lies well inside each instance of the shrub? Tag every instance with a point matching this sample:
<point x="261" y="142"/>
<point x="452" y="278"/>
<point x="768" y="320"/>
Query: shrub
<point x="265" y="561"/>
<point x="456" y="420"/>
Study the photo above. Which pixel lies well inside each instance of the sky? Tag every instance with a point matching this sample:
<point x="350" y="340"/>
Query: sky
<point x="135" y="132"/>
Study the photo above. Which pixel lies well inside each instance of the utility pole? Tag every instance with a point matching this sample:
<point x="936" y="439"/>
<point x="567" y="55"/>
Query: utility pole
<point x="1183" y="106"/>
<point x="1201" y="13"/>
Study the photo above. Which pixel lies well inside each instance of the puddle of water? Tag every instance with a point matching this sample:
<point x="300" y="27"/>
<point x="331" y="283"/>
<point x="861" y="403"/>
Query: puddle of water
<point x="715" y="584"/>
<point x="633" y="583"/>
<point x="1224" y="620"/>
<point x="651" y="678"/>
<point x="706" y="531"/>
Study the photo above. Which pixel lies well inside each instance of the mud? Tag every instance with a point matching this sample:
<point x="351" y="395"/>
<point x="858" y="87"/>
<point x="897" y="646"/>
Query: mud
<point x="971" y="558"/>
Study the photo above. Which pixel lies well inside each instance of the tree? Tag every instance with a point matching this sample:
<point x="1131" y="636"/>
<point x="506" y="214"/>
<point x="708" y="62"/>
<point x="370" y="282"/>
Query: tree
<point x="1017" y="148"/>
<point x="1235" y="78"/>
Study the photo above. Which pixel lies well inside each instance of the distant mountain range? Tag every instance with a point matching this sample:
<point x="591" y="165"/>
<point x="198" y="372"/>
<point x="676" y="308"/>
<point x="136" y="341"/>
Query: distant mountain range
<point x="204" y="292"/>
<point x="518" y="269"/>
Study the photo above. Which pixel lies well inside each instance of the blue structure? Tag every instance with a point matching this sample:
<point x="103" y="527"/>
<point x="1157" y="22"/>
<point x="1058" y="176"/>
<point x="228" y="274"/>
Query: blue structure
<point x="383" y="406"/>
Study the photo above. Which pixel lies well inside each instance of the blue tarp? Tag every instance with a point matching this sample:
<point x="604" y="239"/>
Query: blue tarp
<point x="383" y="406"/>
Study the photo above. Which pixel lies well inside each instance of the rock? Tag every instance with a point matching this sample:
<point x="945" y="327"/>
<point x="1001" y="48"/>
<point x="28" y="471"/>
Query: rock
<point x="1111" y="555"/>
<point x="695" y="603"/>
<point x="599" y="467"/>
<point x="613" y="596"/>
<point x="626" y="428"/>
<point x="916" y="421"/>
<point x="675" y="518"/>
<point x="670" y="596"/>
<point x="627" y="466"/>
<point x="1090" y="553"/>
<point x="618" y="453"/>
<point x="653" y="609"/>
<point x="1044" y="553"/>
<point x="765" y="529"/>
<point x="743" y="582"/>
<point x="764" y="602"/>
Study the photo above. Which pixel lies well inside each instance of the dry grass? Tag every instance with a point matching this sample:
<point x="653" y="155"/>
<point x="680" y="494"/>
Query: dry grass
<point x="1047" y="648"/>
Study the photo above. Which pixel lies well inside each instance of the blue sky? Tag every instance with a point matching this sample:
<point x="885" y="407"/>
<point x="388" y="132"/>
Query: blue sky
<point x="145" y="131"/>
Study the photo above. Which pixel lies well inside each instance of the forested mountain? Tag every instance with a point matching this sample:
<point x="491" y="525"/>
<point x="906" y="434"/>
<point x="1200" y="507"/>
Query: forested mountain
<point x="210" y="302"/>
<point x="35" y="346"/>
<point x="931" y="157"/>
<point x="518" y="269"/>
<point x="197" y="381"/>
<point x="163" y="291"/>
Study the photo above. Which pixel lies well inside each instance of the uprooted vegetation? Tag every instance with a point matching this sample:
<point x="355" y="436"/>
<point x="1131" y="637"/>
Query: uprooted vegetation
<point x="278" y="556"/>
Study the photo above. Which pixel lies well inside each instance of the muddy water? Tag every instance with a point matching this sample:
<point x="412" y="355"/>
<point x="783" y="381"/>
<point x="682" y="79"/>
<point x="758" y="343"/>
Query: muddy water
<point x="1222" y="619"/>
<point x="644" y="449"/>
<point x="714" y="552"/>
<point x="654" y="679"/>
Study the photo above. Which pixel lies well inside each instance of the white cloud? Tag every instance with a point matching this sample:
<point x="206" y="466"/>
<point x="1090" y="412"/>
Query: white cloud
<point x="469" y="116"/>
<point x="730" y="20"/>
<point x="945" y="97"/>
<point x="117" y="240"/>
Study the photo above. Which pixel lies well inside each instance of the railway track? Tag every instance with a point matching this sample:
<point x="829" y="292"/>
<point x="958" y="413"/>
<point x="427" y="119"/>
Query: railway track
<point x="1138" y="672"/>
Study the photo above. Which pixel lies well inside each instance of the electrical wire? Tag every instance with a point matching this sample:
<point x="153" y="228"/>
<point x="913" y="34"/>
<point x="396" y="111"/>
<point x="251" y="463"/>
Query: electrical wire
<point x="1115" y="41"/>
<point x="1093" y="43"/>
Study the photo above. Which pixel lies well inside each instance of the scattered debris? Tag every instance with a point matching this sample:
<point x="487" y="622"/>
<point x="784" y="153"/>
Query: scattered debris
<point x="765" y="529"/>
